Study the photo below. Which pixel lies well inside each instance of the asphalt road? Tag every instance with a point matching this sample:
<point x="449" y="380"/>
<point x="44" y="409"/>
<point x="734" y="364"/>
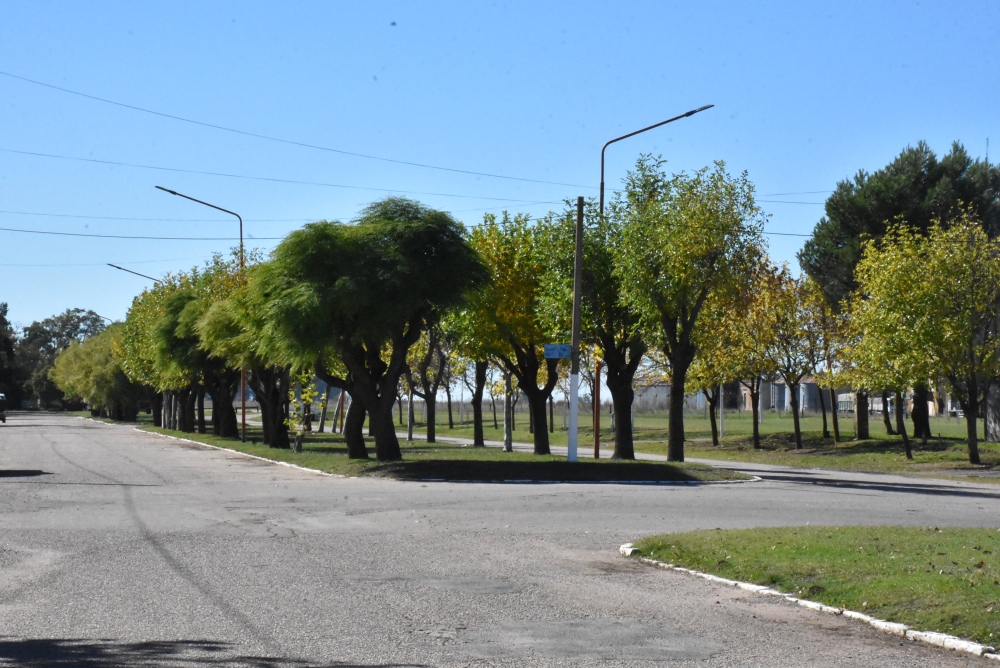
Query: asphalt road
<point x="119" y="548"/>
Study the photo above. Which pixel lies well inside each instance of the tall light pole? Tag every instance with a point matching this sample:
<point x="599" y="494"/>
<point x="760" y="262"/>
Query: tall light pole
<point x="243" y="372"/>
<point x="577" y="284"/>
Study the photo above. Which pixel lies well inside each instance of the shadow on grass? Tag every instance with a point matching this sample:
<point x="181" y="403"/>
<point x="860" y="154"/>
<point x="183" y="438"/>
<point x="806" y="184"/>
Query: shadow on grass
<point x="110" y="654"/>
<point x="553" y="471"/>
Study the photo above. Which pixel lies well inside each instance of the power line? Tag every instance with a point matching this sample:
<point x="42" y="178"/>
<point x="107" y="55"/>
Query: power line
<point x="152" y="238"/>
<point x="244" y="176"/>
<point x="156" y="220"/>
<point x="285" y="141"/>
<point x="126" y="236"/>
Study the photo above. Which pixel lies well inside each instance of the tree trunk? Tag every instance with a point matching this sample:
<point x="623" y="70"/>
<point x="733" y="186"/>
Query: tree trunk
<point x="410" y="417"/>
<point x="508" y="414"/>
<point x="675" y="437"/>
<point x="430" y="409"/>
<point x="168" y="409"/>
<point x="156" y="406"/>
<point x="755" y="408"/>
<point x="833" y="414"/>
<point x="622" y="396"/>
<point x="382" y="428"/>
<point x="970" y="406"/>
<point x="202" y="427"/>
<point x="921" y="413"/>
<point x="886" y="419"/>
<point x="991" y="415"/>
<point x="447" y="395"/>
<point x="901" y="425"/>
<point x="478" y="438"/>
<point x="861" y="432"/>
<point x="354" y="424"/>
<point x="552" y="417"/>
<point x="322" y="415"/>
<point x="822" y="408"/>
<point x="712" y="398"/>
<point x="536" y="407"/>
<point x="793" y="389"/>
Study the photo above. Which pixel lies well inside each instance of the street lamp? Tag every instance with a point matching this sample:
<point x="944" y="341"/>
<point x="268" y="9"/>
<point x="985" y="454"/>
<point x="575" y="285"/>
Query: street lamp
<point x="243" y="373"/>
<point x="155" y="280"/>
<point x="574" y="378"/>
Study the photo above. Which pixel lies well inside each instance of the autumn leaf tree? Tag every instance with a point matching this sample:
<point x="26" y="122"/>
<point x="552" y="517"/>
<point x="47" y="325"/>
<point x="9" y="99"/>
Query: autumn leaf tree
<point x="927" y="306"/>
<point x="688" y="237"/>
<point x="515" y="312"/>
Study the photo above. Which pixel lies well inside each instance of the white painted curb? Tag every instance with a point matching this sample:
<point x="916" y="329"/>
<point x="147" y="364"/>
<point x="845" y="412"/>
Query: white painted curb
<point x="902" y="630"/>
<point x="242" y="454"/>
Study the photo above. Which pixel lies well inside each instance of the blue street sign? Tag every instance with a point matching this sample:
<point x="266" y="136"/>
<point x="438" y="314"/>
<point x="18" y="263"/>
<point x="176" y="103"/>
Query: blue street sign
<point x="562" y="351"/>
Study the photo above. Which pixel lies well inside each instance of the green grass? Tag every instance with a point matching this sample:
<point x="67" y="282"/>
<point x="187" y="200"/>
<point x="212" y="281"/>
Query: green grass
<point x="945" y="580"/>
<point x="945" y="456"/>
<point x="441" y="461"/>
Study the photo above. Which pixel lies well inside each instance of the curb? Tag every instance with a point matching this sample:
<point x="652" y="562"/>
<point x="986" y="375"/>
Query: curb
<point x="935" y="639"/>
<point x="241" y="454"/>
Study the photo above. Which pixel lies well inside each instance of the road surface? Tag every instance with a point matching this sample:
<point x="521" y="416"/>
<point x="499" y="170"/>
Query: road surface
<point x="120" y="548"/>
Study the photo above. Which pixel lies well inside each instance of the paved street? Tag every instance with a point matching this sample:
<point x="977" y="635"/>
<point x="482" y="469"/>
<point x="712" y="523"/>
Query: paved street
<point x="120" y="548"/>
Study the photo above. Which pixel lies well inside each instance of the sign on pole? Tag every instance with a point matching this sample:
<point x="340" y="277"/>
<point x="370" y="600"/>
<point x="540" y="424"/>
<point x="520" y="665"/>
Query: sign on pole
<point x="561" y="351"/>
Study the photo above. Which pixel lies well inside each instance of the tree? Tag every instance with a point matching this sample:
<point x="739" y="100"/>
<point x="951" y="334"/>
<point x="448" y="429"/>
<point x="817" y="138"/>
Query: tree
<point x="513" y="313"/>
<point x="690" y="237"/>
<point x="425" y="371"/>
<point x="8" y="368"/>
<point x="828" y="323"/>
<point x="916" y="187"/>
<point x="367" y="291"/>
<point x="945" y="323"/>
<point x="793" y="347"/>
<point x="737" y="347"/>
<point x="90" y="371"/>
<point x="42" y="341"/>
<point x="608" y="321"/>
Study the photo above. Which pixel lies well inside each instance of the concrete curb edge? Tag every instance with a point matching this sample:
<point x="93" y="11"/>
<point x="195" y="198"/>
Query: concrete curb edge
<point x="237" y="452"/>
<point x="942" y="640"/>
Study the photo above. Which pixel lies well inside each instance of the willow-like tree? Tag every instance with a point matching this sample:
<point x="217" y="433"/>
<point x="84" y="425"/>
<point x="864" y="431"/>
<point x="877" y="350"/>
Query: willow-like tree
<point x="686" y="238"/>
<point x="367" y="291"/>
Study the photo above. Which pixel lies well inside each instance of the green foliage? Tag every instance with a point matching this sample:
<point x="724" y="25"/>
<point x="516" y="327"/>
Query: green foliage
<point x="89" y="371"/>
<point x="364" y="292"/>
<point x="926" y="307"/>
<point x="916" y="187"/>
<point x="690" y="239"/>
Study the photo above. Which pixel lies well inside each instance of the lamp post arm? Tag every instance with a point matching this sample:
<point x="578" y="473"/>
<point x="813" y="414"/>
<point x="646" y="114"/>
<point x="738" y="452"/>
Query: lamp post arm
<point x="155" y="280"/>
<point x="632" y="134"/>
<point x="217" y="208"/>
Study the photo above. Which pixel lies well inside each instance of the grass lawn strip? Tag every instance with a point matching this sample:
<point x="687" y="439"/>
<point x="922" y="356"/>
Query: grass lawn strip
<point x="946" y="580"/>
<point x="326" y="453"/>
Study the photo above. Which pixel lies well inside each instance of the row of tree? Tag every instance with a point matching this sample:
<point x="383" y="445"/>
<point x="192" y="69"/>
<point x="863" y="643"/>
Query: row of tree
<point x="676" y="272"/>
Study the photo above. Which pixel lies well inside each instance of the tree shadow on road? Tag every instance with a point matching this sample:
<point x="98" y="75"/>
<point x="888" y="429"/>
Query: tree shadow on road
<point x="38" y="652"/>
<point x="827" y="480"/>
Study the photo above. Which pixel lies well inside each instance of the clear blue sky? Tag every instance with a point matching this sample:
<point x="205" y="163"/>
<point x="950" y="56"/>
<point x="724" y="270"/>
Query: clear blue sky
<point x="805" y="94"/>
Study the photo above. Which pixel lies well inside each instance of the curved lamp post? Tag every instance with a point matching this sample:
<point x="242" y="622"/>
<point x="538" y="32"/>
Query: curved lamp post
<point x="574" y="377"/>
<point x="243" y="372"/>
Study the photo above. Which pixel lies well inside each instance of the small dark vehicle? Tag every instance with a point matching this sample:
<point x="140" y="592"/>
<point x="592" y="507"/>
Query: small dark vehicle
<point x="3" y="407"/>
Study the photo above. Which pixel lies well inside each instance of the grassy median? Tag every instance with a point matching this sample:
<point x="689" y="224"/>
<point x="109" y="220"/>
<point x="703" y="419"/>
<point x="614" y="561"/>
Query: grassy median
<point x="450" y="462"/>
<point x="945" y="580"/>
